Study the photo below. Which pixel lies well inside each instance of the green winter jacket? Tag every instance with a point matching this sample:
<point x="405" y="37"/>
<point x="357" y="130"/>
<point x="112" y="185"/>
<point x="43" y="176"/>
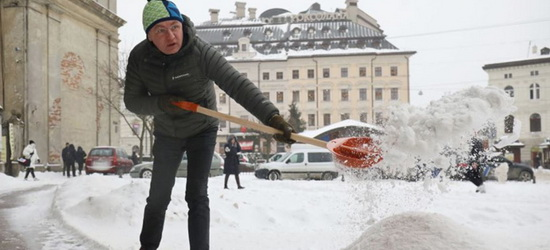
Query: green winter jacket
<point x="190" y="74"/>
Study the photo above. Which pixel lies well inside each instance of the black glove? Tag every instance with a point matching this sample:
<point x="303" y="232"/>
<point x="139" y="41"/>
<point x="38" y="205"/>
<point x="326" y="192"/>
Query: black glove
<point x="165" y="104"/>
<point x="278" y="122"/>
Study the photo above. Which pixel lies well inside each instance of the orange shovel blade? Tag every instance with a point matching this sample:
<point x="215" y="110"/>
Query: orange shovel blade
<point x="355" y="152"/>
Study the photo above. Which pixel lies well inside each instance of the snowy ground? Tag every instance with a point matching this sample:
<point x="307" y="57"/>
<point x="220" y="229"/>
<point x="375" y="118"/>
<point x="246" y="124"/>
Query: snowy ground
<point x="105" y="212"/>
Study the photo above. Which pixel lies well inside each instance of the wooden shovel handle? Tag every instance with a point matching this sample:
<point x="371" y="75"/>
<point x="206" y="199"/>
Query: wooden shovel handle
<point x="249" y="124"/>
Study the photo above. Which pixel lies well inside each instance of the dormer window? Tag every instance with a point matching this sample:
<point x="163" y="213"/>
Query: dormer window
<point x="325" y="30"/>
<point x="311" y="31"/>
<point x="343" y="29"/>
<point x="226" y="34"/>
<point x="247" y="32"/>
<point x="296" y="32"/>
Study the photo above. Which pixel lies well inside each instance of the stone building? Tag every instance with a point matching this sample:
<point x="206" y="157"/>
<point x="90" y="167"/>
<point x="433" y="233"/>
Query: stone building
<point x="528" y="82"/>
<point x="334" y="65"/>
<point x="55" y="66"/>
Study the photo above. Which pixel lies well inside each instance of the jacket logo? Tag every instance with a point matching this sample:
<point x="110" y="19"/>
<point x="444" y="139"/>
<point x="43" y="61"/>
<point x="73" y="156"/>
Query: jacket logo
<point x="180" y="76"/>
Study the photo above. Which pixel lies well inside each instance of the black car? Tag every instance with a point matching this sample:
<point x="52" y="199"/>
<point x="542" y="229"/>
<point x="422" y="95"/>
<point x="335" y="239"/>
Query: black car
<point x="516" y="171"/>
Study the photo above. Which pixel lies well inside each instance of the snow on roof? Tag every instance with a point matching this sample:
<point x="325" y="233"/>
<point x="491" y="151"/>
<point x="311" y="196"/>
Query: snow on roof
<point x="344" y="123"/>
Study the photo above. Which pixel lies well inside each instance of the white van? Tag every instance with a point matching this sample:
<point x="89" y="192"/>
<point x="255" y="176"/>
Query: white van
<point x="301" y="162"/>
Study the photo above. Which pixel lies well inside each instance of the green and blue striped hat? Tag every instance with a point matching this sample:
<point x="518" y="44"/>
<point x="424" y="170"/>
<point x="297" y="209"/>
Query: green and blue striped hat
<point x="156" y="11"/>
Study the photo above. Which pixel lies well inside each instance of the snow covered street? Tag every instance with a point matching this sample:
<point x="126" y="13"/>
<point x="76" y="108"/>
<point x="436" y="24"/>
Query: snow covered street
<point x="105" y="212"/>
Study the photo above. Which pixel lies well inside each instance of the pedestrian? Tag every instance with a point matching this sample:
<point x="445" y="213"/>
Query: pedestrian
<point x="64" y="156"/>
<point x="80" y="159"/>
<point x="475" y="159"/>
<point x="30" y="153"/>
<point x="135" y="158"/>
<point x="173" y="64"/>
<point x="71" y="159"/>
<point x="231" y="164"/>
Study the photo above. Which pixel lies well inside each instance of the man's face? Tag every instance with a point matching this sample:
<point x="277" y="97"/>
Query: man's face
<point x="167" y="36"/>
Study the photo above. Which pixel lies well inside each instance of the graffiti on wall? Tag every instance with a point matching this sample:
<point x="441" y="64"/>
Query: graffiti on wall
<point x="72" y="70"/>
<point x="54" y="116"/>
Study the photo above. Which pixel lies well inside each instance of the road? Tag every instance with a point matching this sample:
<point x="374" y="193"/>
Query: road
<point x="42" y="228"/>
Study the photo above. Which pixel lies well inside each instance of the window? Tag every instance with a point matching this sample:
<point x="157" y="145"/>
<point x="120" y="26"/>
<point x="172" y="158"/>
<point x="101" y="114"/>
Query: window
<point x="265" y="76"/>
<point x="319" y="157"/>
<point x="344" y="95"/>
<point x="326" y="119"/>
<point x="311" y="95"/>
<point x="296" y="158"/>
<point x="534" y="73"/>
<point x="378" y="94"/>
<point x="344" y="72"/>
<point x="363" y="117"/>
<point x="326" y="95"/>
<point x="266" y="94"/>
<point x="534" y="91"/>
<point x="344" y="116"/>
<point x="534" y="122"/>
<point x="326" y="73"/>
<point x="394" y="94"/>
<point x="509" y="90"/>
<point x="280" y="96"/>
<point x="296" y="74"/>
<point x="393" y="71"/>
<point x="509" y="124"/>
<point x="296" y="96"/>
<point x="310" y="73"/>
<point x="279" y="75"/>
<point x="243" y="47"/>
<point x="378" y="71"/>
<point x="508" y="76"/>
<point x="223" y="98"/>
<point x="362" y="71"/>
<point x="362" y="94"/>
<point x="311" y="120"/>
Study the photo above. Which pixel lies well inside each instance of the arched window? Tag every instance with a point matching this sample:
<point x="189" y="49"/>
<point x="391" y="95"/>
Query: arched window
<point x="343" y="29"/>
<point x="509" y="90"/>
<point x="311" y="31"/>
<point x="509" y="124"/>
<point x="296" y="32"/>
<point x="534" y="123"/>
<point x="534" y="91"/>
<point x="325" y="30"/>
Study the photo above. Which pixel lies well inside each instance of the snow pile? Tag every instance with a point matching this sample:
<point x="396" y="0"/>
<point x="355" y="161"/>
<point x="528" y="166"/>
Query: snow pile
<point x="418" y="230"/>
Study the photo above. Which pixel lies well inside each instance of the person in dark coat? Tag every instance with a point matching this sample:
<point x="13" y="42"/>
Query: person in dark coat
<point x="135" y="158"/>
<point x="171" y="65"/>
<point x="71" y="159"/>
<point x="231" y="164"/>
<point x="80" y="159"/>
<point x="473" y="170"/>
<point x="64" y="157"/>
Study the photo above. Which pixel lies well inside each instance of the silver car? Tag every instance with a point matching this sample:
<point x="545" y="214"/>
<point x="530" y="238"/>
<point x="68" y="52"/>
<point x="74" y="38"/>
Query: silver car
<point x="145" y="169"/>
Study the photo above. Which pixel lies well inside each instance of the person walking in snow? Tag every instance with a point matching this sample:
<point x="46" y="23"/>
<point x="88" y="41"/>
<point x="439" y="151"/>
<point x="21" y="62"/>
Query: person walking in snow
<point x="29" y="152"/>
<point x="64" y="157"/>
<point x="231" y="163"/>
<point x="473" y="170"/>
<point x="173" y="64"/>
<point x="71" y="159"/>
<point x="80" y="156"/>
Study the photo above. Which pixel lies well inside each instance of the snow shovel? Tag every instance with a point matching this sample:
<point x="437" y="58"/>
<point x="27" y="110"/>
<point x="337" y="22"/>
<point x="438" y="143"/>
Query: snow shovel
<point x="352" y="152"/>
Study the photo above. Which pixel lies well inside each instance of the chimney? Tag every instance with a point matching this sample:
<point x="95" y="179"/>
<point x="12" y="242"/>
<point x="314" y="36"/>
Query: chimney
<point x="214" y="15"/>
<point x="240" y="9"/>
<point x="252" y="13"/>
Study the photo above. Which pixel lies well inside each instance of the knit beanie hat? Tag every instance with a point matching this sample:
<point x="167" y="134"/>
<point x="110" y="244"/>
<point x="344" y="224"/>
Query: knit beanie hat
<point x="156" y="11"/>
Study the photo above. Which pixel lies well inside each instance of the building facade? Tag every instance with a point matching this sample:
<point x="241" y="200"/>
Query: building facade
<point x="528" y="82"/>
<point x="56" y="67"/>
<point x="333" y="65"/>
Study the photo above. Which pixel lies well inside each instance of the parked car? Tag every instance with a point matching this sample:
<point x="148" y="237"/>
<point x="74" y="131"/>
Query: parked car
<point x="145" y="169"/>
<point x="516" y="171"/>
<point x="276" y="156"/>
<point x="302" y="162"/>
<point x="244" y="163"/>
<point x="108" y="160"/>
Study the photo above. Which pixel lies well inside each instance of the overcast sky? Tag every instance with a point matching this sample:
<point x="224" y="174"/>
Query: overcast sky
<point x="453" y="39"/>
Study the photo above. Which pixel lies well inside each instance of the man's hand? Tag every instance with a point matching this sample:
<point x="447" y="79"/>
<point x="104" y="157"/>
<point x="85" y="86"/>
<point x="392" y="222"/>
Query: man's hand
<point x="278" y="122"/>
<point x="165" y="104"/>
